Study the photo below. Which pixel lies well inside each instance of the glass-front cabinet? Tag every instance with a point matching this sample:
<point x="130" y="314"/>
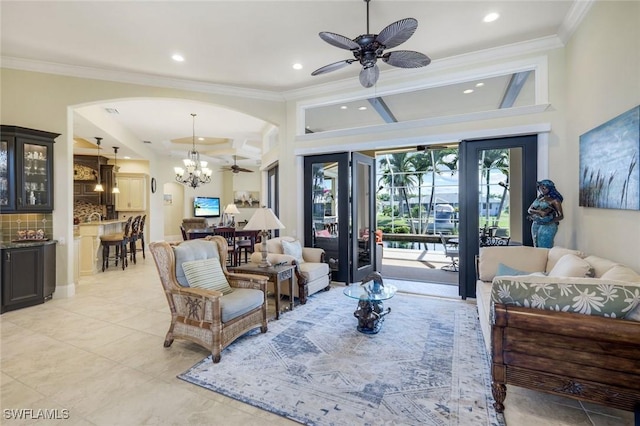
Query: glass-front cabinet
<point x="7" y="183"/>
<point x="26" y="170"/>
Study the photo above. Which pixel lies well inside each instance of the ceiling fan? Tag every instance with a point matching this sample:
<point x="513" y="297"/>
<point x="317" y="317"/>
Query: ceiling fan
<point x="235" y="168"/>
<point x="368" y="48"/>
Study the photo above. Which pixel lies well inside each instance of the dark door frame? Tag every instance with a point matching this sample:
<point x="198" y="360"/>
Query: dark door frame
<point x="469" y="155"/>
<point x="342" y="159"/>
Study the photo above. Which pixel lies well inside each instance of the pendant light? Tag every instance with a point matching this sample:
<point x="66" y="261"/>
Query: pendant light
<point x="115" y="189"/>
<point x="98" y="187"/>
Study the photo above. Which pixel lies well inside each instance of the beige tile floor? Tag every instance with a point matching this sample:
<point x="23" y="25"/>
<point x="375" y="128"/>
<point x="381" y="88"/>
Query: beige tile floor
<point x="100" y="356"/>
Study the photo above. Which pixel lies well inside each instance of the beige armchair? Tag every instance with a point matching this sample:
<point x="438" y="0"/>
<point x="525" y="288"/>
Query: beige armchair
<point x="207" y="317"/>
<point x="311" y="275"/>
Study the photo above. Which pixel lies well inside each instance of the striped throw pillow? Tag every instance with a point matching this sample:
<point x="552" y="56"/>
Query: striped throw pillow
<point x="207" y="274"/>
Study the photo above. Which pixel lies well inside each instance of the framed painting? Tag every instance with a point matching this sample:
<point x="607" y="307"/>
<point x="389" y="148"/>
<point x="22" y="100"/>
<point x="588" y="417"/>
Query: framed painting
<point x="246" y="199"/>
<point x="609" y="169"/>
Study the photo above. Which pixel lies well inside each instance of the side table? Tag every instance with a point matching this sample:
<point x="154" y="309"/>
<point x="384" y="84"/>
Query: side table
<point x="276" y="274"/>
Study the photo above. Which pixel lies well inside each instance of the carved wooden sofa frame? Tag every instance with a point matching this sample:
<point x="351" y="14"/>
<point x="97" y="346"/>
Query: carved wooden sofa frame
<point x="588" y="358"/>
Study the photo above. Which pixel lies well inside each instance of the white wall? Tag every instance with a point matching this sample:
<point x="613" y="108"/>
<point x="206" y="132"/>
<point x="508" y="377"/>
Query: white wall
<point x="603" y="81"/>
<point x="46" y="101"/>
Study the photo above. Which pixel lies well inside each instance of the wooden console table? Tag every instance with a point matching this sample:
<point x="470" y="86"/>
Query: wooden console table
<point x="276" y="275"/>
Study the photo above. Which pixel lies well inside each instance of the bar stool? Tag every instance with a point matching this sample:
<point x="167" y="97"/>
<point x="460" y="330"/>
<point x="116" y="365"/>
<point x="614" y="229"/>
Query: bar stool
<point x="141" y="235"/>
<point x="119" y="241"/>
<point x="133" y="237"/>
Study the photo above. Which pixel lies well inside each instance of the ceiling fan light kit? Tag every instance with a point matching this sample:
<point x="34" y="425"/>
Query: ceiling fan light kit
<point x="196" y="172"/>
<point x="368" y="48"/>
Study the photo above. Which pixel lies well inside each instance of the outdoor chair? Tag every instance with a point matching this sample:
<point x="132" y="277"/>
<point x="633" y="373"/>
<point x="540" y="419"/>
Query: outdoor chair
<point x="212" y="318"/>
<point x="451" y="251"/>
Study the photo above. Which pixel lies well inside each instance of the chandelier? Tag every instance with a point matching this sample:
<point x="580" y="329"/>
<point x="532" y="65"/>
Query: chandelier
<point x="196" y="172"/>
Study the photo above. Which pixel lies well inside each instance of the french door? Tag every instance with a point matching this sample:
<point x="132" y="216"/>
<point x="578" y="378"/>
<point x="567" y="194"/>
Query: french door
<point x="339" y="212"/>
<point x="497" y="184"/>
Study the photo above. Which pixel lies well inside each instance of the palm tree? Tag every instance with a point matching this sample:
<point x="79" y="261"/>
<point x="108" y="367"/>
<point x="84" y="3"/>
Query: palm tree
<point x="396" y="175"/>
<point x="422" y="164"/>
<point x="493" y="159"/>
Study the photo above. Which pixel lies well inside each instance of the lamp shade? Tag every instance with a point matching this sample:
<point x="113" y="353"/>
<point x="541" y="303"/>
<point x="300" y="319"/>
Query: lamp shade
<point x="231" y="209"/>
<point x="263" y="219"/>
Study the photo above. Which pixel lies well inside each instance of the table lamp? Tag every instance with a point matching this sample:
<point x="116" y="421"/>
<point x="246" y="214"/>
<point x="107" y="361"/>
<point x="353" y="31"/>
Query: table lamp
<point x="230" y="210"/>
<point x="264" y="220"/>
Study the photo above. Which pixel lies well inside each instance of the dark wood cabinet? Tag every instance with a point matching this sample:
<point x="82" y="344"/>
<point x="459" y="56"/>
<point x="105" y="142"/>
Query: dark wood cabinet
<point x="28" y="275"/>
<point x="26" y="169"/>
<point x="86" y="169"/>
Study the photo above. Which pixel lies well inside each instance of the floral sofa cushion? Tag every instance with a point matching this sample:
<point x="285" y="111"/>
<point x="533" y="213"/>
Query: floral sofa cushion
<point x="607" y="298"/>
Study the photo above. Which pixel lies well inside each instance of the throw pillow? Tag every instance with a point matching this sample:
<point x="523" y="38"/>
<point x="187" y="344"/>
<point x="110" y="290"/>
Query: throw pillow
<point x="207" y="274"/>
<point x="508" y="270"/>
<point x="621" y="273"/>
<point x="570" y="265"/>
<point x="293" y="248"/>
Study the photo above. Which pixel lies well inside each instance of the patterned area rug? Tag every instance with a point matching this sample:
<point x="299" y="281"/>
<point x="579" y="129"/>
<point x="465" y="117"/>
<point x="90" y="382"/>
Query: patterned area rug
<point x="426" y="366"/>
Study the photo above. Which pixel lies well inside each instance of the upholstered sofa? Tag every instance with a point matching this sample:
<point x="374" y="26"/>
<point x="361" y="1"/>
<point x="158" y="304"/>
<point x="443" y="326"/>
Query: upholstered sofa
<point x="560" y="322"/>
<point x="311" y="273"/>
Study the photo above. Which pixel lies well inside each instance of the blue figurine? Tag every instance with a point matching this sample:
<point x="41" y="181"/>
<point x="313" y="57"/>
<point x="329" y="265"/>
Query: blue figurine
<point x="545" y="212"/>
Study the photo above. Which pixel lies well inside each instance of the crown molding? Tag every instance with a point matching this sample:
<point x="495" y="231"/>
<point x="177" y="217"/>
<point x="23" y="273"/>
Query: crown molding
<point x="406" y="77"/>
<point x="403" y="77"/>
<point x="573" y="19"/>
<point x="135" y="78"/>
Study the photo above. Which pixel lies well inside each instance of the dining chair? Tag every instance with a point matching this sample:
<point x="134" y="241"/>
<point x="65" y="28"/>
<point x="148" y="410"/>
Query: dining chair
<point x="229" y="234"/>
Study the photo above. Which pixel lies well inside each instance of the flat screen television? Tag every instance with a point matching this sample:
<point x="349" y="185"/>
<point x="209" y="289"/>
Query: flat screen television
<point x="206" y="206"/>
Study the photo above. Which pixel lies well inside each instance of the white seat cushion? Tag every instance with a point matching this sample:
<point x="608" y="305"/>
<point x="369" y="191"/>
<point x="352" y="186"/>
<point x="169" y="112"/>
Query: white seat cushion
<point x="313" y="271"/>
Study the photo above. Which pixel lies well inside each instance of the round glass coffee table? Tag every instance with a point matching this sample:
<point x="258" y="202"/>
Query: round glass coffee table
<point x="370" y="311"/>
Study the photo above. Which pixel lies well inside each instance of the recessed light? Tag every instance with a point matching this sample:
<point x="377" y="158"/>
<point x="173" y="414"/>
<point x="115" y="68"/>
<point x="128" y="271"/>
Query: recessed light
<point x="297" y="66"/>
<point x="344" y="107"/>
<point x="491" y="17"/>
<point x="479" y="84"/>
<point x="200" y="139"/>
<point x="466" y="92"/>
<point x="177" y="57"/>
<point x="362" y="108"/>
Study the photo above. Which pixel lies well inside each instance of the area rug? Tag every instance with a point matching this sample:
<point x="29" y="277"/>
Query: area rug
<point x="426" y="366"/>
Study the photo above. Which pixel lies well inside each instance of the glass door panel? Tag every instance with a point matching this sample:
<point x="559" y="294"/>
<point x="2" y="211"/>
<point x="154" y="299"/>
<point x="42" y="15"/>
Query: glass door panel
<point x="496" y="169"/>
<point x="362" y="208"/>
<point x="36" y="173"/>
<point x="7" y="184"/>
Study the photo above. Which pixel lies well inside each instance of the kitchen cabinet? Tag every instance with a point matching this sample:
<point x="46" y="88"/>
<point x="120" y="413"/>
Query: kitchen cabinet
<point x="28" y="275"/>
<point x="85" y="178"/>
<point x="26" y="169"/>
<point x="133" y="192"/>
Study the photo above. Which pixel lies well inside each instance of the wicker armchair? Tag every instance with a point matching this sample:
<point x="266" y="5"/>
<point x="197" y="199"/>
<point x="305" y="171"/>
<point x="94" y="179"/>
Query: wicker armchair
<point x="206" y="317"/>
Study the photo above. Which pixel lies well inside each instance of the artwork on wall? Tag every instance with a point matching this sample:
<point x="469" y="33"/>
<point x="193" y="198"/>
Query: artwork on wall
<point x="609" y="169"/>
<point x="246" y="199"/>
<point x="168" y="199"/>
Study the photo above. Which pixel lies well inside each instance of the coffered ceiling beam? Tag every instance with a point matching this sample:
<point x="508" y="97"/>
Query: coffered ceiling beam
<point x="513" y="89"/>
<point x="382" y="109"/>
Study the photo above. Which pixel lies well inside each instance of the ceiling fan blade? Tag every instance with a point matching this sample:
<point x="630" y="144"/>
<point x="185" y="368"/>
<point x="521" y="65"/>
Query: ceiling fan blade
<point x="406" y="59"/>
<point x="332" y="67"/>
<point x="369" y="75"/>
<point x="397" y="33"/>
<point x="241" y="169"/>
<point x="338" y="40"/>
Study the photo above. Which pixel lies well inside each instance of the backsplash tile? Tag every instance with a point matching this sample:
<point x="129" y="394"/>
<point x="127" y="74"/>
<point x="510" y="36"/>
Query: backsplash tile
<point x="10" y="224"/>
